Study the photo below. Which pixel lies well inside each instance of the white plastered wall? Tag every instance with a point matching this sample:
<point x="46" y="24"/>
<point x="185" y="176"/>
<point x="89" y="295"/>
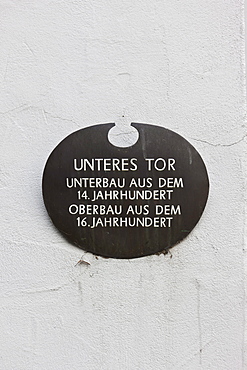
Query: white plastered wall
<point x="69" y="64"/>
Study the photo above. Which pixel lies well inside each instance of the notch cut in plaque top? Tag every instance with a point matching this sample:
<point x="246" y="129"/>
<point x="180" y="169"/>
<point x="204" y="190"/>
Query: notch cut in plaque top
<point x="123" y="136"/>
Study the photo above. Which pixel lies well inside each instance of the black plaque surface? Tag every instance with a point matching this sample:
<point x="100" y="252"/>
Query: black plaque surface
<point x="125" y="202"/>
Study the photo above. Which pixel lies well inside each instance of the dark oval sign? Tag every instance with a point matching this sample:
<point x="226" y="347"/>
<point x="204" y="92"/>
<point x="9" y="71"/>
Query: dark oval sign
<point x="125" y="202"/>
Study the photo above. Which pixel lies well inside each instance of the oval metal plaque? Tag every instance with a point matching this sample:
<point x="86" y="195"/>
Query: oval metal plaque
<point x="125" y="202"/>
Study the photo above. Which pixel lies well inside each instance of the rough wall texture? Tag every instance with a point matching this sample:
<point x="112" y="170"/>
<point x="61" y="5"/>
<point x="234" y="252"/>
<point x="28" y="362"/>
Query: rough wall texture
<point x="69" y="64"/>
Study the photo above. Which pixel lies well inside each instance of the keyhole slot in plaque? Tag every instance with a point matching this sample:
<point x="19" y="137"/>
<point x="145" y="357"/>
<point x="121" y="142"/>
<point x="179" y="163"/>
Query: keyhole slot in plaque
<point x="123" y="136"/>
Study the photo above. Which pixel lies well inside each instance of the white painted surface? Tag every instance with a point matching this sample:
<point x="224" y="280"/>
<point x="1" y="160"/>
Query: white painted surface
<point x="70" y="64"/>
